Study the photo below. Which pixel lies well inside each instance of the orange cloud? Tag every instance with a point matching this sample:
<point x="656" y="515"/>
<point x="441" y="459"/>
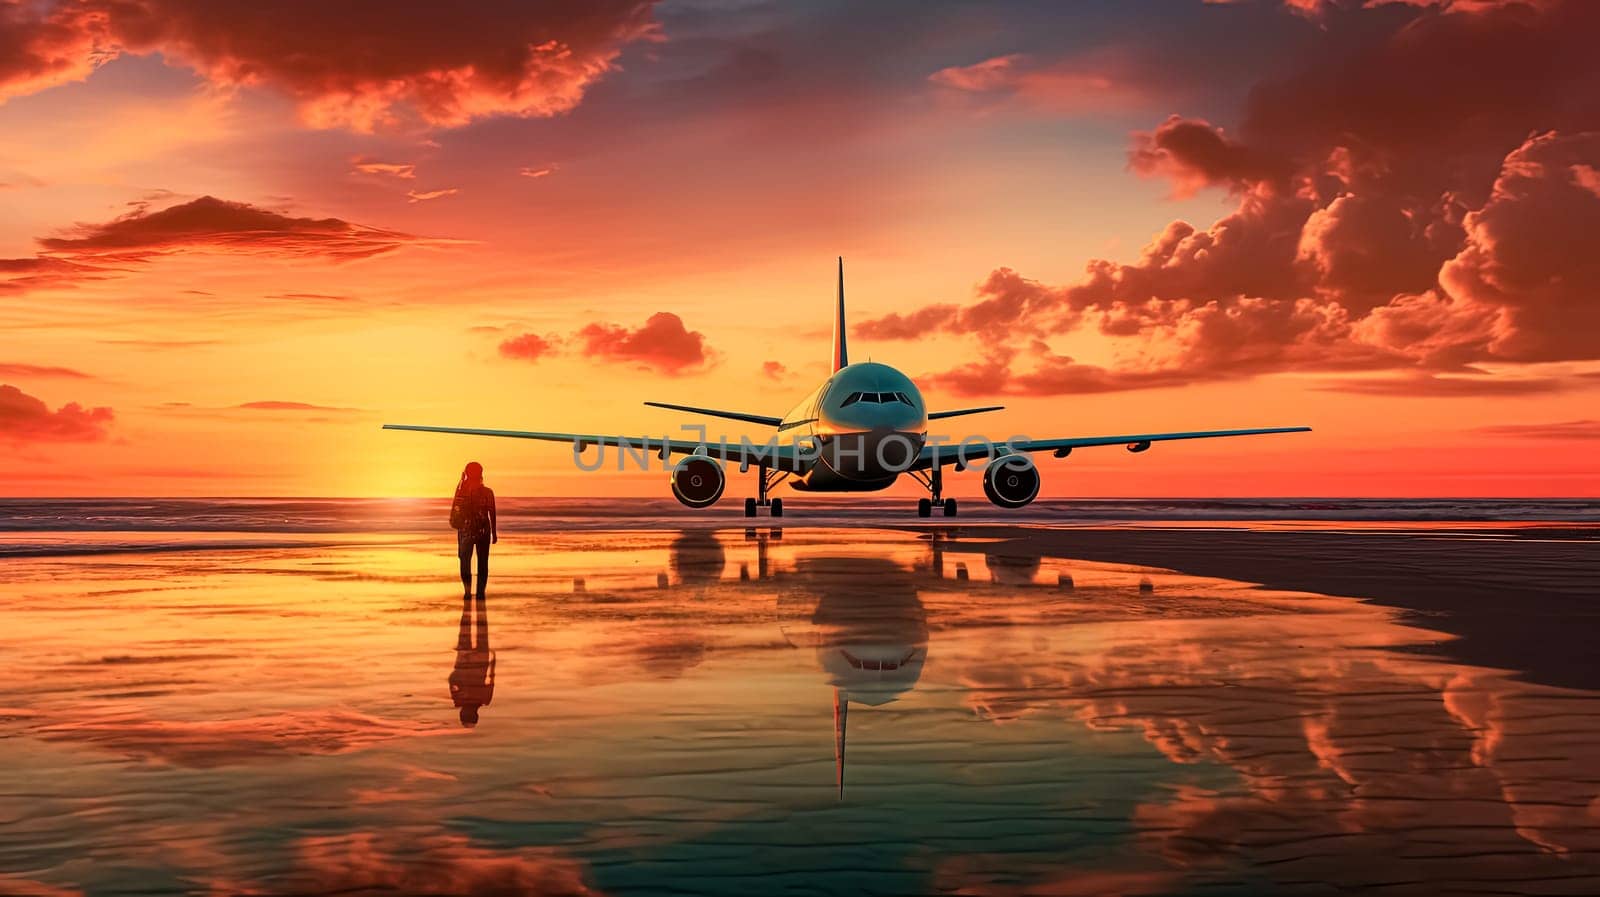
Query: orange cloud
<point x="527" y="346"/>
<point x="403" y="170"/>
<point x="24" y="418"/>
<point x="663" y="344"/>
<point x="774" y="370"/>
<point x="530" y="172"/>
<point x="483" y="59"/>
<point x="274" y="405"/>
<point x="425" y="195"/>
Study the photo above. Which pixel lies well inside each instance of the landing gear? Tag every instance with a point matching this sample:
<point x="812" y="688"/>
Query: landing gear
<point x="933" y="479"/>
<point x="766" y="478"/>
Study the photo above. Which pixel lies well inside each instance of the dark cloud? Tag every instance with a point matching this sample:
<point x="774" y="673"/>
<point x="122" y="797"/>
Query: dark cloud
<point x="356" y="64"/>
<point x="662" y="344"/>
<point x="216" y="224"/>
<point x="1394" y="213"/>
<point x="24" y="418"/>
<point x="1195" y="154"/>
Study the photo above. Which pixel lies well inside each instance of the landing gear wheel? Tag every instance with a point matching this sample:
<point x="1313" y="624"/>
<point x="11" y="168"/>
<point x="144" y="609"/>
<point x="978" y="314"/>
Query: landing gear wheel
<point x="777" y="507"/>
<point x="949" y="507"/>
<point x="924" y="508"/>
<point x="749" y="507"/>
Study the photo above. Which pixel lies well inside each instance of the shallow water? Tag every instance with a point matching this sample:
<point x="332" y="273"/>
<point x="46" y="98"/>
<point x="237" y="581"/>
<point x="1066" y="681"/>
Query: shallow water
<point x="739" y="712"/>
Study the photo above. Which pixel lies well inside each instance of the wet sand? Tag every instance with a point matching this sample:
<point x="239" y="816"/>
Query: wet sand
<point x="813" y="710"/>
<point x="1517" y="597"/>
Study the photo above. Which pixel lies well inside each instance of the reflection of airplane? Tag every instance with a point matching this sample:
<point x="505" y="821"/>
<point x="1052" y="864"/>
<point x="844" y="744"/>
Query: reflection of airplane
<point x="869" y="628"/>
<point x="472" y="679"/>
<point x="857" y="432"/>
<point x="864" y="615"/>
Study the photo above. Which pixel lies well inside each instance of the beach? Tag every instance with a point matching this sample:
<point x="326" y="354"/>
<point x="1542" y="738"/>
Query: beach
<point x="845" y="703"/>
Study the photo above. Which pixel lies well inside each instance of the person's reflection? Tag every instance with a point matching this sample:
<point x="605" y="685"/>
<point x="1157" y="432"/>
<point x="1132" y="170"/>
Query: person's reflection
<point x="472" y="680"/>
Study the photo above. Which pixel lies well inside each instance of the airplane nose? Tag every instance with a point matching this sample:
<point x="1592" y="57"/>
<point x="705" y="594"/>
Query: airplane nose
<point x="884" y="418"/>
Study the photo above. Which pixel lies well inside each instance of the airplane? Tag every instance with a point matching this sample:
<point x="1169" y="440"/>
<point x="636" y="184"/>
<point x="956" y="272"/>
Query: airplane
<point x="860" y="431"/>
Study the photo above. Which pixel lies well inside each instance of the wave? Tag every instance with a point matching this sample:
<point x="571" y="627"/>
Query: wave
<point x="382" y="515"/>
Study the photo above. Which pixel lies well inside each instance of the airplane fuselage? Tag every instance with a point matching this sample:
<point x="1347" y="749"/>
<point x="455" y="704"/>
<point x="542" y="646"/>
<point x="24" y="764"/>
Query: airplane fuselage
<point x="867" y="422"/>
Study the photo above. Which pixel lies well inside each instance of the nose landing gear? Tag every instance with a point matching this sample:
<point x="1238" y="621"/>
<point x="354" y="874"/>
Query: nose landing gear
<point x="766" y="478"/>
<point x="934" y="481"/>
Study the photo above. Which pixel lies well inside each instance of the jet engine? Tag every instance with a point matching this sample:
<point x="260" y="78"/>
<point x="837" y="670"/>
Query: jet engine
<point x="1011" y="481"/>
<point x="697" y="481"/>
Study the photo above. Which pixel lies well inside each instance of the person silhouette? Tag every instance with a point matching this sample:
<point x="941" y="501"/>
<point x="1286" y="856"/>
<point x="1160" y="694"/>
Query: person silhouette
<point x="473" y="515"/>
<point x="472" y="679"/>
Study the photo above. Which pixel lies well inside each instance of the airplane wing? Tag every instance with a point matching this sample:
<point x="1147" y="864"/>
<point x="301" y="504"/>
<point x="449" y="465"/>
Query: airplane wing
<point x="779" y="457"/>
<point x="977" y="451"/>
<point x="713" y="412"/>
<point x="941" y="415"/>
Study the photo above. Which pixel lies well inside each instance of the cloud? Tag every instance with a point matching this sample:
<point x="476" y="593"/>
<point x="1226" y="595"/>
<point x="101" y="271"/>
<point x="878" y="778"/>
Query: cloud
<point x="1106" y="78"/>
<point x="274" y="405"/>
<point x="1524" y="254"/>
<point x="774" y="370"/>
<point x="368" y="165"/>
<point x="531" y="172"/>
<point x="39" y="370"/>
<point x="1195" y="154"/>
<point x="40" y="272"/>
<point x="1569" y="430"/>
<point x="990" y="74"/>
<point x="1436" y="386"/>
<point x="214" y="224"/>
<point x="1409" y="199"/>
<point x="24" y="418"/>
<point x="662" y="344"/>
<point x="425" y="195"/>
<point x="527" y="346"/>
<point x="502" y="57"/>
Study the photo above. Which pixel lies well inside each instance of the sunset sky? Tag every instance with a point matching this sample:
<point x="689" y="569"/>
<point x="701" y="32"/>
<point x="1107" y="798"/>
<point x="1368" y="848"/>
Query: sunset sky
<point x="237" y="237"/>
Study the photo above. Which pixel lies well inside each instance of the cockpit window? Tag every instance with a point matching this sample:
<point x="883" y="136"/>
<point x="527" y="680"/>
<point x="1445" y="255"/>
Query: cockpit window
<point x="877" y="398"/>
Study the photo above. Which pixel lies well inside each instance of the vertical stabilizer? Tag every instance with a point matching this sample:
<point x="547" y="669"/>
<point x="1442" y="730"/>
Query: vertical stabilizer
<point x="841" y="713"/>
<point x="840" y="356"/>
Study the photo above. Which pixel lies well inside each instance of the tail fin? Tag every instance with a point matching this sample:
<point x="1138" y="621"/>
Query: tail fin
<point x="841" y="711"/>
<point x="840" y="356"/>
